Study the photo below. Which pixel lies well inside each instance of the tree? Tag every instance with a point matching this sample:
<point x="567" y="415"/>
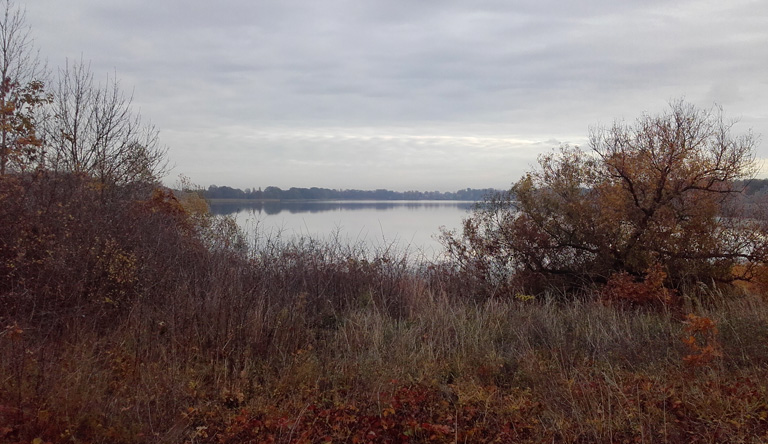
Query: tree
<point x="93" y="130"/>
<point x="658" y="193"/>
<point x="22" y="92"/>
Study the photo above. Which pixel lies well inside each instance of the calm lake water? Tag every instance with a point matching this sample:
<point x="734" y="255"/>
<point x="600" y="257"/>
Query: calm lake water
<point x="404" y="225"/>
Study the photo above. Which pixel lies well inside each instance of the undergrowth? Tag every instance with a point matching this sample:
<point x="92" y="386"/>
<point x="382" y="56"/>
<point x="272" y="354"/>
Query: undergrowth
<point x="138" y="318"/>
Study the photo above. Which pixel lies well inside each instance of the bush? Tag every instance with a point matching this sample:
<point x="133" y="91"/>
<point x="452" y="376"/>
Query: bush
<point x="68" y="253"/>
<point x="661" y="191"/>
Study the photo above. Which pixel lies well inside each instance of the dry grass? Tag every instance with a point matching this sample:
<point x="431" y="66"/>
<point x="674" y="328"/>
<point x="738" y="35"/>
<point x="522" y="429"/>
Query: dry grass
<point x="579" y="372"/>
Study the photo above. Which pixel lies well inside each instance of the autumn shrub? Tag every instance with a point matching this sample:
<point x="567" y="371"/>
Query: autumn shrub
<point x="660" y="191"/>
<point x="702" y="341"/>
<point x="69" y="250"/>
<point x="625" y="290"/>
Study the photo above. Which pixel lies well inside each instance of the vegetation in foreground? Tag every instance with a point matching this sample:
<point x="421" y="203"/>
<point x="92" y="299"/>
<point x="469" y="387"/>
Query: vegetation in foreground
<point x="128" y="314"/>
<point x="144" y="321"/>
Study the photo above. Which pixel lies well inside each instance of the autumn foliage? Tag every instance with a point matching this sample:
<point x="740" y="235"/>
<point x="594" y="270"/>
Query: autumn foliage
<point x="657" y="193"/>
<point x="701" y="339"/>
<point x="625" y="290"/>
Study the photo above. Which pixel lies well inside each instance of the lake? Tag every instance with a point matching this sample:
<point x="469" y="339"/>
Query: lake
<point x="404" y="225"/>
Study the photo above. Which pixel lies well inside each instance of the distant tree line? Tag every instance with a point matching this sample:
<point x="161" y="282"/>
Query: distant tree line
<point x="751" y="188"/>
<point x="314" y="193"/>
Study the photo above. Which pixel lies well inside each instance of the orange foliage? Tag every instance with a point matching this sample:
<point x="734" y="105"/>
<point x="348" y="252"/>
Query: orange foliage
<point x="701" y="340"/>
<point x="624" y="289"/>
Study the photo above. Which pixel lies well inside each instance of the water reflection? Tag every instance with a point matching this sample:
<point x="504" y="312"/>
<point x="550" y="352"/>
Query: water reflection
<point x="275" y="208"/>
<point x="411" y="225"/>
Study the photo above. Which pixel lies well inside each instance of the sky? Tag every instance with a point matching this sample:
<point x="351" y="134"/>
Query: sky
<point x="405" y="95"/>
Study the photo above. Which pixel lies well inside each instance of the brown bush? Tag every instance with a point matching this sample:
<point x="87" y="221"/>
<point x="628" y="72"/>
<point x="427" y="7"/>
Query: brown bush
<point x="659" y="191"/>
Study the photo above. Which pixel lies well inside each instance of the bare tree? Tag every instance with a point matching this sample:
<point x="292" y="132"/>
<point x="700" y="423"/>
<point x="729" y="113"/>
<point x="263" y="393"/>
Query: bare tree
<point x="93" y="129"/>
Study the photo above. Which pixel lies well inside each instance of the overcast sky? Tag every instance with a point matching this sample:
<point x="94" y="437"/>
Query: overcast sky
<point x="418" y="94"/>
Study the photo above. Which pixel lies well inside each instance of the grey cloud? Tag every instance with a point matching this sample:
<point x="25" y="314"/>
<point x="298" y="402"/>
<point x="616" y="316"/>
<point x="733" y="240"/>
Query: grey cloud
<point x="213" y="73"/>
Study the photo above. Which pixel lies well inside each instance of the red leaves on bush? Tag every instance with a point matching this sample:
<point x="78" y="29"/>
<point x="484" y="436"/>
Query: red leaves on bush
<point x="625" y="289"/>
<point x="701" y="340"/>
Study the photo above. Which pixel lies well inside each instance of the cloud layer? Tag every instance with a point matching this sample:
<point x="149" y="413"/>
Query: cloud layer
<point x="400" y="94"/>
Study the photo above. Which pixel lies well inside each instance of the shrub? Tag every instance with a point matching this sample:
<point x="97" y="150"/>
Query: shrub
<point x="661" y="191"/>
<point x="624" y="289"/>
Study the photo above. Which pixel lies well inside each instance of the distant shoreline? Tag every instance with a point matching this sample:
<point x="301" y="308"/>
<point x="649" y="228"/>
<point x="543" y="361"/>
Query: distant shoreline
<point x="237" y="201"/>
<point x="293" y="194"/>
<point x="246" y="201"/>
